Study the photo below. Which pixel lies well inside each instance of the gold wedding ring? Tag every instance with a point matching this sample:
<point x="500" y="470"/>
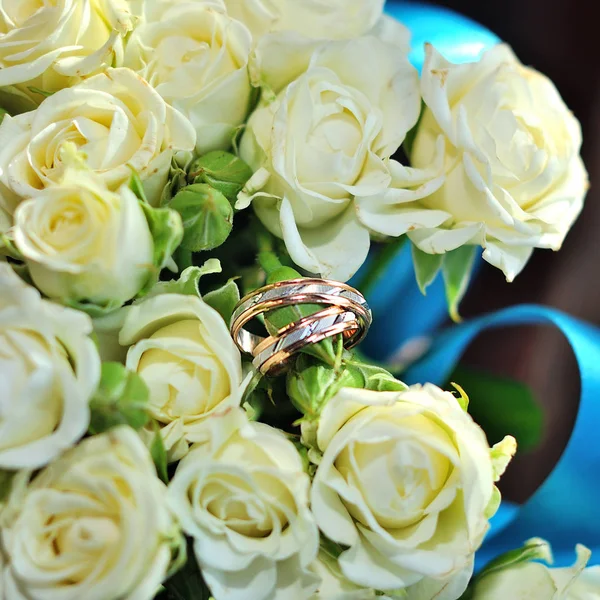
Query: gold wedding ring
<point x="345" y="312"/>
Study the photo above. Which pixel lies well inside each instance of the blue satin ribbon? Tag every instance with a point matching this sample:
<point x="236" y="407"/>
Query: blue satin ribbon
<point x="565" y="508"/>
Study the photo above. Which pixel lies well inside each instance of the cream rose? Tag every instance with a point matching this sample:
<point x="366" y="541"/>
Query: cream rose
<point x="535" y="581"/>
<point x="83" y="243"/>
<point x="242" y="495"/>
<point x="95" y="524"/>
<point x="515" y="179"/>
<point x="116" y="119"/>
<point x="326" y="19"/>
<point x="196" y="57"/>
<point x="325" y="144"/>
<point x="49" y="369"/>
<point x="406" y="483"/>
<point x="47" y="46"/>
<point x="182" y="349"/>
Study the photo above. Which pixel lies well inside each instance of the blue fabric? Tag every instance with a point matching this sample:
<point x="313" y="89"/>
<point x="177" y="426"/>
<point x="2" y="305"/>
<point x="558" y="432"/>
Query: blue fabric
<point x="565" y="509"/>
<point x="459" y="39"/>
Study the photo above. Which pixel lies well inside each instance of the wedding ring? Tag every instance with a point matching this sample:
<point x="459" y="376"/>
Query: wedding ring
<point x="345" y="312"/>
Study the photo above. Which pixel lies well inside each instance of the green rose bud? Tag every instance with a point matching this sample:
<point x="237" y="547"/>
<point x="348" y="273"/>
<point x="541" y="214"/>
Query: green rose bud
<point x="221" y="170"/>
<point x="207" y="216"/>
<point x="311" y="384"/>
<point x="121" y="399"/>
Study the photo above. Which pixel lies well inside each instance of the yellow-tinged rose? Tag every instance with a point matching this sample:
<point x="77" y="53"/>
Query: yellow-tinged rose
<point x="406" y="483"/>
<point x="49" y="369"/>
<point x="84" y="243"/>
<point x="515" y="180"/>
<point x="196" y="57"/>
<point x="535" y="581"/>
<point x="242" y="495"/>
<point x="116" y="120"/>
<point x="324" y="146"/>
<point x="327" y="19"/>
<point x="182" y="349"/>
<point x="93" y="525"/>
<point x="47" y="46"/>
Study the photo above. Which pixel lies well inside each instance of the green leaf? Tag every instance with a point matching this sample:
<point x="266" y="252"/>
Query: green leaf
<point x="189" y="281"/>
<point x="187" y="584"/>
<point x="456" y="270"/>
<point x="427" y="266"/>
<point x="166" y="229"/>
<point x="159" y="454"/>
<point x="223" y="171"/>
<point x="224" y="299"/>
<point x="137" y="187"/>
<point x="207" y="216"/>
<point x="3" y="113"/>
<point x="121" y="399"/>
<point x="502" y="406"/>
<point x="534" y="549"/>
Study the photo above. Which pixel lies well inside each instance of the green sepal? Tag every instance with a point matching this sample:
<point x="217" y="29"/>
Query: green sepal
<point x="311" y="384"/>
<point x="427" y="267"/>
<point x="121" y="399"/>
<point x="3" y="113"/>
<point x="502" y="406"/>
<point x="223" y="171"/>
<point x="456" y="270"/>
<point x="166" y="229"/>
<point x="224" y="299"/>
<point x="533" y="549"/>
<point x="206" y="214"/>
<point x="376" y="378"/>
<point x="137" y="187"/>
<point x="188" y="283"/>
<point x="159" y="455"/>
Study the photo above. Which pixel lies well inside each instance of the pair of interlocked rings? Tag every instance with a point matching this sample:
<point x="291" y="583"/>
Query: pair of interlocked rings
<point x="345" y="312"/>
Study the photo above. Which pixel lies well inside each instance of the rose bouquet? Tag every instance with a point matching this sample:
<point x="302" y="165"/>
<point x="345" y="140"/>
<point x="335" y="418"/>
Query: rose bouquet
<point x="160" y="159"/>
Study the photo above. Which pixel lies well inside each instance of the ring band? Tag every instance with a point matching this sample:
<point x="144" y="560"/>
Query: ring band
<point x="345" y="312"/>
<point x="276" y="350"/>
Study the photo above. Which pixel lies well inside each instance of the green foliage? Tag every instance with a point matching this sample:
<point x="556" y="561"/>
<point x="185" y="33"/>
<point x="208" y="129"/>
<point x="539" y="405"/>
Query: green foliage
<point x="456" y="270"/>
<point x="207" y="216"/>
<point x="224" y="299"/>
<point x="121" y="399"/>
<point x="223" y="171"/>
<point x="6" y="479"/>
<point x="159" y="454"/>
<point x="167" y="232"/>
<point x="456" y="267"/>
<point x="188" y="283"/>
<point x="427" y="267"/>
<point x="502" y="407"/>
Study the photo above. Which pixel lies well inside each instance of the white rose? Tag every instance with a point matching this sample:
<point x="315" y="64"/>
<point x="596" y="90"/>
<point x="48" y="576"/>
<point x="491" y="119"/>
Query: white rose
<point x="94" y="525"/>
<point x="515" y="179"/>
<point x="243" y="497"/>
<point x="116" y="119"/>
<point x="47" y="46"/>
<point x="83" y="243"/>
<point x="535" y="581"/>
<point x="325" y="143"/>
<point x="182" y="349"/>
<point x="406" y="483"/>
<point x="49" y="369"/>
<point x="326" y="19"/>
<point x="196" y="57"/>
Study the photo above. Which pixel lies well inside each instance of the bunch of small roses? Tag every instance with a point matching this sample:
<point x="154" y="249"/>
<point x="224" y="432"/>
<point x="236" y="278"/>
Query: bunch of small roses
<point x="141" y="455"/>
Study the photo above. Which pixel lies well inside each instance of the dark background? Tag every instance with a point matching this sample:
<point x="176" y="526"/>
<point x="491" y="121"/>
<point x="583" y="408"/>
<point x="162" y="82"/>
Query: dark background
<point x="559" y="38"/>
